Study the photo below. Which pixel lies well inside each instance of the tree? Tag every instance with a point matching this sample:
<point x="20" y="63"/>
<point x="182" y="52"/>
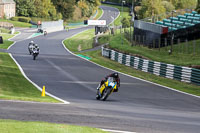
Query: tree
<point x="151" y="8"/>
<point x="88" y="6"/>
<point x="198" y="6"/>
<point x="65" y="7"/>
<point x="36" y="8"/>
<point x="168" y="6"/>
<point x="25" y="8"/>
<point x="95" y="3"/>
<point x="45" y="9"/>
<point x="83" y="5"/>
<point x="125" y="23"/>
<point x="183" y="4"/>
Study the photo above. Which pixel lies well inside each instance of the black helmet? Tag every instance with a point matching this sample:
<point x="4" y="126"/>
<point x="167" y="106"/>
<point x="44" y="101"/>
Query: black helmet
<point x="116" y="75"/>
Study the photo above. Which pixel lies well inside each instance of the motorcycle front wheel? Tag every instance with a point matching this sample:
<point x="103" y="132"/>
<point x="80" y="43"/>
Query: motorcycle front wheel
<point x="106" y="93"/>
<point x="34" y="57"/>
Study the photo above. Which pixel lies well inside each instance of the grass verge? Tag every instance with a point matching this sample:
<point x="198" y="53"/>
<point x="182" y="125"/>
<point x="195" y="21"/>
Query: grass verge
<point x="99" y="13"/>
<point x="97" y="58"/>
<point x="177" y="58"/>
<point x="81" y="41"/>
<point x="16" y="23"/>
<point x="13" y="85"/>
<point x="6" y="42"/>
<point x="124" y="14"/>
<point x="12" y="126"/>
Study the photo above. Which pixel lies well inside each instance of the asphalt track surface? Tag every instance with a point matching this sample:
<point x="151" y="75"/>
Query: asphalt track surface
<point x="139" y="106"/>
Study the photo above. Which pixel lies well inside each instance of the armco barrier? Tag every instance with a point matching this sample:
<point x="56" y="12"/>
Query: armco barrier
<point x="184" y="74"/>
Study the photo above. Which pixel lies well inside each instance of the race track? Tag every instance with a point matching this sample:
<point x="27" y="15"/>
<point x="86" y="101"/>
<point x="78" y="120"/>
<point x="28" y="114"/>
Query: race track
<point x="139" y="106"/>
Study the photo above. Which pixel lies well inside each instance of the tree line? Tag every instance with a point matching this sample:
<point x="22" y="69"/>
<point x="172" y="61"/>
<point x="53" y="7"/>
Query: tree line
<point x="150" y="8"/>
<point x="77" y="9"/>
<point x="56" y="9"/>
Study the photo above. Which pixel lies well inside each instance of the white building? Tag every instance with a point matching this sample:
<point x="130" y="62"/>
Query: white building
<point x="7" y="8"/>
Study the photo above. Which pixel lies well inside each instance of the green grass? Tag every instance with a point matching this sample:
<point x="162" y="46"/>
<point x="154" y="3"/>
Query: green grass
<point x="16" y="23"/>
<point x="74" y="27"/>
<point x="6" y="42"/>
<point x="177" y="58"/>
<point x="3" y="30"/>
<point x="99" y="13"/>
<point x="81" y="41"/>
<point x="36" y="19"/>
<point x="116" y="40"/>
<point x="97" y="58"/>
<point x="13" y="85"/>
<point x="123" y="14"/>
<point x="12" y="126"/>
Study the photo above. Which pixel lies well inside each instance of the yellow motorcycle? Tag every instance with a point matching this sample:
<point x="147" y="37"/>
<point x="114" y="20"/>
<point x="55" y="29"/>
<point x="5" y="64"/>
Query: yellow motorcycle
<point x="106" y="89"/>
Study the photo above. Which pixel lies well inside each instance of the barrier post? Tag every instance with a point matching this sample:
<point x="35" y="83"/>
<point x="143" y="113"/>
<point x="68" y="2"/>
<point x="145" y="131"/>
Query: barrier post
<point x="43" y="91"/>
<point x="194" y="46"/>
<point x="159" y="43"/>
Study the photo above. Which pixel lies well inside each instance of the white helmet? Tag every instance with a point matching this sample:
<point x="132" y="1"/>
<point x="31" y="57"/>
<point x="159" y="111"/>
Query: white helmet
<point x="36" y="45"/>
<point x="32" y="41"/>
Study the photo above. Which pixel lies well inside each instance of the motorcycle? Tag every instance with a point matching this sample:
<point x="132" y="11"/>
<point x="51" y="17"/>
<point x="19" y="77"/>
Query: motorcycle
<point x="30" y="48"/>
<point x="106" y="89"/>
<point x="35" y="54"/>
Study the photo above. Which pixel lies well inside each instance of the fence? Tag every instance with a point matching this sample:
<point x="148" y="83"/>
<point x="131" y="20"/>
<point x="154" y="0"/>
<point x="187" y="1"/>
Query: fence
<point x="180" y="45"/>
<point x="184" y="74"/>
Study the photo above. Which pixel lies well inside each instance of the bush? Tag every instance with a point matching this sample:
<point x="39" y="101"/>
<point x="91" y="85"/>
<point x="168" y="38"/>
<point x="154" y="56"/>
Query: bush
<point x="24" y="19"/>
<point x="21" y="19"/>
<point x="15" y="18"/>
<point x="125" y="23"/>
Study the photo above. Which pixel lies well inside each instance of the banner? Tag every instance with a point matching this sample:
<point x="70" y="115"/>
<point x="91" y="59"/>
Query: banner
<point x="96" y="22"/>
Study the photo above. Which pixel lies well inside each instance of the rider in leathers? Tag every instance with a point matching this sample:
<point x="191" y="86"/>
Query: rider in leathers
<point x="115" y="75"/>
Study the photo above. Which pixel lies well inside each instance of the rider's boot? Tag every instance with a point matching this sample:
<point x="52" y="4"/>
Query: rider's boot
<point x="116" y="90"/>
<point x="98" y="96"/>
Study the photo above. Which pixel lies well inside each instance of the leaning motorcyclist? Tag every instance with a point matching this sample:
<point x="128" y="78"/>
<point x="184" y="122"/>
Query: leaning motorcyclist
<point x="115" y="75"/>
<point x="36" y="48"/>
<point x="31" y="45"/>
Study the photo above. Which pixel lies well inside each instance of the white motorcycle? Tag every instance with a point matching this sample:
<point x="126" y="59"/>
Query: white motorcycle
<point x="35" y="53"/>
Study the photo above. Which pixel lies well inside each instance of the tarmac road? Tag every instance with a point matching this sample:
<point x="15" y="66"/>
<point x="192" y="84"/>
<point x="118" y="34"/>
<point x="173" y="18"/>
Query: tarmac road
<point x="139" y="106"/>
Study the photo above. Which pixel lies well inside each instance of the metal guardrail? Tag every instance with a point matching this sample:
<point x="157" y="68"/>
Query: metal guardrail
<point x="184" y="74"/>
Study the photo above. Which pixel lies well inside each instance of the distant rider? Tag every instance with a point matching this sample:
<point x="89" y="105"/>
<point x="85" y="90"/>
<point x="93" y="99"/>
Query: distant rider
<point x="115" y="75"/>
<point x="45" y="33"/>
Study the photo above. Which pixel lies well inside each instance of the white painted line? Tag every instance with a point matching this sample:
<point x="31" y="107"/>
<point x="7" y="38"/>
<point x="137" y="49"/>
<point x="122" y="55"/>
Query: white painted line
<point x="21" y="70"/>
<point x="127" y="74"/>
<point x="117" y="131"/>
<point x="84" y="82"/>
<point x="11" y="45"/>
<point x="14" y="36"/>
<point x="14" y="41"/>
<point x="116" y="17"/>
<point x="32" y="30"/>
<point x="31" y="36"/>
<point x="17" y="101"/>
<point x="59" y="99"/>
<point x="102" y="13"/>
